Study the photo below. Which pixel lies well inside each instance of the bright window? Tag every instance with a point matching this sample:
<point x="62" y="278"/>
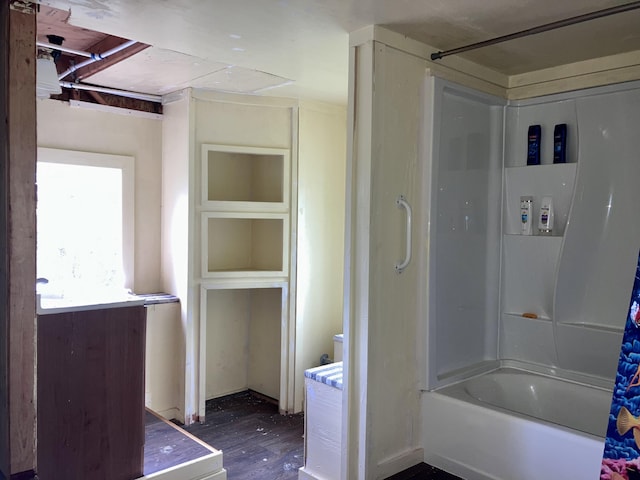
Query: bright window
<point x="85" y="223"/>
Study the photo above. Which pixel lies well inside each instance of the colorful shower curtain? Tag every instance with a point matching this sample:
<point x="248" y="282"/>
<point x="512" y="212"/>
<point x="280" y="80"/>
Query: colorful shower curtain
<point x="621" y="458"/>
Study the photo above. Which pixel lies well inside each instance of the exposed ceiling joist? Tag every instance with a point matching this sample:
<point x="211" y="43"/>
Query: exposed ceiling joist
<point x="102" y="46"/>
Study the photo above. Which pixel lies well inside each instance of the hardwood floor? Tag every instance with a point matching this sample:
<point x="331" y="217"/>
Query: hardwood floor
<point x="259" y="443"/>
<point x="166" y="446"/>
<point x="256" y="441"/>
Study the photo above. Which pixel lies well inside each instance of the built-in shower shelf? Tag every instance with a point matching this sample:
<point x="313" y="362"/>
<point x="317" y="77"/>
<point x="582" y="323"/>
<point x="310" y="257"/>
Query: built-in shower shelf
<point x="541" y="318"/>
<point x="594" y="326"/>
<point x="532" y="236"/>
<point x="538" y="181"/>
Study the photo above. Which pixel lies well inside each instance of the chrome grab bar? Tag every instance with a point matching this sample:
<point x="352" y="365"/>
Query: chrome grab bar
<point x="401" y="201"/>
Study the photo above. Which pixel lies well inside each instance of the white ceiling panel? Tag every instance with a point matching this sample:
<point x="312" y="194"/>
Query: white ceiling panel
<point x="156" y="71"/>
<point x="307" y="40"/>
<point x="240" y="80"/>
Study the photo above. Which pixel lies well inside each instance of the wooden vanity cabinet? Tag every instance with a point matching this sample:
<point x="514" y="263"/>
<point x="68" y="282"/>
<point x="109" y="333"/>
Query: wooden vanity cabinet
<point x="91" y="394"/>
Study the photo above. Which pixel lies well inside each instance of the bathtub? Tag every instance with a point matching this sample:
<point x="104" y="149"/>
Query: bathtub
<point x="512" y="424"/>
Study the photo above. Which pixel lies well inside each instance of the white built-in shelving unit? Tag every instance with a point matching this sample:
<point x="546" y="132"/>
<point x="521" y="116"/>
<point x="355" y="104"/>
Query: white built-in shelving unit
<point x="244" y="268"/>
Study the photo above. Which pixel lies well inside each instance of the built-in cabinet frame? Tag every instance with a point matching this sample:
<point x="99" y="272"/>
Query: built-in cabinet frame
<point x="260" y="224"/>
<point x="287" y="332"/>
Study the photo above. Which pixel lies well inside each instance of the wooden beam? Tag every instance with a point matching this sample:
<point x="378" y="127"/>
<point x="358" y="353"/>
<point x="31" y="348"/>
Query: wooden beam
<point x="5" y="451"/>
<point x="96" y="96"/>
<point x="102" y="46"/>
<point x="21" y="244"/>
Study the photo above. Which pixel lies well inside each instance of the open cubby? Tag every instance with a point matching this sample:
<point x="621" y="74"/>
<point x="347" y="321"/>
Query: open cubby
<point x="243" y="339"/>
<point x="241" y="244"/>
<point x="245" y="177"/>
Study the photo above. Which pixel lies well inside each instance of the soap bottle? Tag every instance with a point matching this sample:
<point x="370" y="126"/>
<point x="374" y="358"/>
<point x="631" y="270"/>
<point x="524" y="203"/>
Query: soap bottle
<point x="545" y="223"/>
<point x="526" y="215"/>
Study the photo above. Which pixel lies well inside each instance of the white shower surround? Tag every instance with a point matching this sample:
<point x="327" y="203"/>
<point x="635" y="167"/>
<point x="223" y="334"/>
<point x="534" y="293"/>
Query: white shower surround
<point x="496" y="440"/>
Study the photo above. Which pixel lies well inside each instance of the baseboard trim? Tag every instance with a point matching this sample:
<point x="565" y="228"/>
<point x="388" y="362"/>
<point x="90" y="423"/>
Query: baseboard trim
<point x="304" y="475"/>
<point x="168" y="414"/>
<point x="396" y="464"/>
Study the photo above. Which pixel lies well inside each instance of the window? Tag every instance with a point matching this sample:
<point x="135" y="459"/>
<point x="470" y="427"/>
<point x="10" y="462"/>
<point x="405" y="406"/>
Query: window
<point x="84" y="223"/>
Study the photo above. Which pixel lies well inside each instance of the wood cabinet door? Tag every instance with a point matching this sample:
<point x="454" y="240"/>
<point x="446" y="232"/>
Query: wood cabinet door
<point x="91" y="394"/>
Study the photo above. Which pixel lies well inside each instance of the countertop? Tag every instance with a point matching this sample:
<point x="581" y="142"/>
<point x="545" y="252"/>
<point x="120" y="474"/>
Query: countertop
<point x="48" y="306"/>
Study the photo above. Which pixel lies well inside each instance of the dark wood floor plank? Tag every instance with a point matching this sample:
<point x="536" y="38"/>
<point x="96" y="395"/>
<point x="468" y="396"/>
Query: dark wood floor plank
<point x="256" y="441"/>
<point x="165" y="446"/>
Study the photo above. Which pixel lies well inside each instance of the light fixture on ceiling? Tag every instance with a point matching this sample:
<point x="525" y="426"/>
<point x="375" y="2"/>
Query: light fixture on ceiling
<point x="47" y="82"/>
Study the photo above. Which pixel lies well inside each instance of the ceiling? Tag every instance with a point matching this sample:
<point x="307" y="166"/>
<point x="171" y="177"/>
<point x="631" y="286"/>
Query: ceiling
<point x="299" y="48"/>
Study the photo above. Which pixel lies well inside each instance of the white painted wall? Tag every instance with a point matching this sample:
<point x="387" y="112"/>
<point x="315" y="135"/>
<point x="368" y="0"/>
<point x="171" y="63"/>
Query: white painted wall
<point x="264" y="342"/>
<point x="382" y="400"/>
<point x="228" y="320"/>
<point x="320" y="252"/>
<point x="164" y="359"/>
<point x="61" y="126"/>
<point x="177" y="240"/>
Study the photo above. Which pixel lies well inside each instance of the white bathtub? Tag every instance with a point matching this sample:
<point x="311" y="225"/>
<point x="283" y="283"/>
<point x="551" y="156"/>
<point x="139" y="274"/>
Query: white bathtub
<point x="516" y="425"/>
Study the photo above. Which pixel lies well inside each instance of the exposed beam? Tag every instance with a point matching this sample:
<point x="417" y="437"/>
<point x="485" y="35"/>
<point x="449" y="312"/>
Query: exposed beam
<point x="102" y="46"/>
<point x="5" y="450"/>
<point x="110" y="100"/>
<point x="97" y="97"/>
<point x="21" y="241"/>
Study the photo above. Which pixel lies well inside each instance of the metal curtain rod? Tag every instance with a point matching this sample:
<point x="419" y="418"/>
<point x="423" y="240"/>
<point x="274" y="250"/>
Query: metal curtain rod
<point x="542" y="28"/>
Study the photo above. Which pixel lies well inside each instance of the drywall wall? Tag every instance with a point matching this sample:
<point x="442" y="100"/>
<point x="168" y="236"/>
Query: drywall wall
<point x="64" y="127"/>
<point x="321" y="216"/>
<point x="164" y="359"/>
<point x="228" y="318"/>
<point x="263" y="368"/>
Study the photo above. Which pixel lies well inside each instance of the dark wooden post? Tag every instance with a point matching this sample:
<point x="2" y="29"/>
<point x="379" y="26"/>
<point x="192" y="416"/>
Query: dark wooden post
<point x="17" y="221"/>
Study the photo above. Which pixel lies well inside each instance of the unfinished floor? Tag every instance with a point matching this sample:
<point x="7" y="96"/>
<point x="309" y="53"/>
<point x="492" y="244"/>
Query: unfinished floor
<point x="257" y="442"/>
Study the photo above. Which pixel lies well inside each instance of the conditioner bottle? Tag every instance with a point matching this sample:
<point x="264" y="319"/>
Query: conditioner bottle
<point x="526" y="215"/>
<point x="545" y="223"/>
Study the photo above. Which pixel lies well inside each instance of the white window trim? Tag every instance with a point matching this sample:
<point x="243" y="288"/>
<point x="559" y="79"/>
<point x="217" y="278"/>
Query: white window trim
<point x="127" y="165"/>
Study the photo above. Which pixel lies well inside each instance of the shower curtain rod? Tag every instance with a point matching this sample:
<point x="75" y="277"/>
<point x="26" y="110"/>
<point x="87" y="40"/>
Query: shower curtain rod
<point x="542" y="28"/>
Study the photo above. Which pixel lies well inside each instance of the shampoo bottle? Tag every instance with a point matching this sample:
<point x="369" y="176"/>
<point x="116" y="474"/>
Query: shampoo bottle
<point x="545" y="223"/>
<point x="526" y="215"/>
<point x="560" y="143"/>
<point x="534" y="135"/>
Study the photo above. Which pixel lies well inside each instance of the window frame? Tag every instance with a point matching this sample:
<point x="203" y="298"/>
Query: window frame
<point x="126" y="164"/>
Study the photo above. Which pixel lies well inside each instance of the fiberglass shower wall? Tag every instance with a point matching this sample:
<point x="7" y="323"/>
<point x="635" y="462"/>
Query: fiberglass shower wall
<point x="577" y="281"/>
<point x="464" y="239"/>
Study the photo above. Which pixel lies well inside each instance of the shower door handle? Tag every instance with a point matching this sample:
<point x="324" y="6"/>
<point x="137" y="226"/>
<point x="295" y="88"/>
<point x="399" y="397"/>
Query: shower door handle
<point x="401" y="202"/>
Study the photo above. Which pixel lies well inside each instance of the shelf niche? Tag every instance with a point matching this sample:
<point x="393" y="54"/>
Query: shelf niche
<point x="245" y="178"/>
<point x="244" y="339"/>
<point x="241" y="244"/>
